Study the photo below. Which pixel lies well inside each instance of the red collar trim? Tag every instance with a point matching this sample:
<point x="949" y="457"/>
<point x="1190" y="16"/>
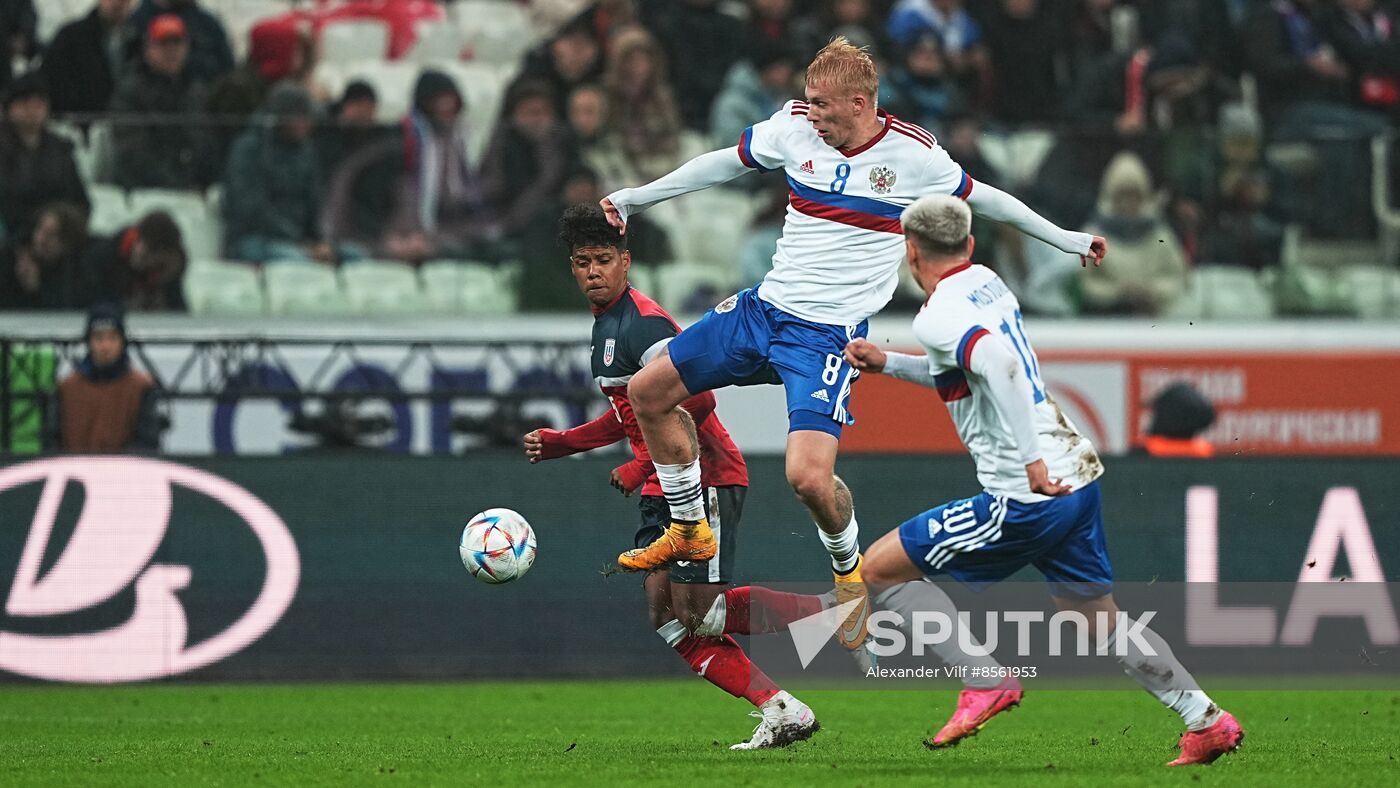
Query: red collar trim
<point x="128" y="242"/>
<point x="600" y="310"/>
<point x="966" y="265"/>
<point x="885" y="129"/>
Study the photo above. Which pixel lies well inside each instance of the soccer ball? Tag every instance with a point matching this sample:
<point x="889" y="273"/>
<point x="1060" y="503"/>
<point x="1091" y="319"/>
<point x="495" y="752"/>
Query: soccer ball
<point x="498" y="546"/>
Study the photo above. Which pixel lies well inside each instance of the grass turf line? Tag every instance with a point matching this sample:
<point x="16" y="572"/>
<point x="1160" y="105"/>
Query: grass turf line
<point x="597" y="732"/>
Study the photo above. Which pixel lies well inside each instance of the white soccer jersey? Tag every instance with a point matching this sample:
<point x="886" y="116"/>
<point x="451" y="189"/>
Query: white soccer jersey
<point x="842" y="245"/>
<point x="971" y="305"/>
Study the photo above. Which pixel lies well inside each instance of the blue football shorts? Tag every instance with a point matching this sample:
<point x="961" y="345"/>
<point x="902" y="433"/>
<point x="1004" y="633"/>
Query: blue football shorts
<point x="985" y="539"/>
<point x="747" y="341"/>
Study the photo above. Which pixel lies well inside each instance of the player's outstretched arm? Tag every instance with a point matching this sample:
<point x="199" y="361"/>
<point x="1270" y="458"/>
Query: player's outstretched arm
<point x="547" y="444"/>
<point x="868" y="358"/>
<point x="992" y="203"/>
<point x="701" y="172"/>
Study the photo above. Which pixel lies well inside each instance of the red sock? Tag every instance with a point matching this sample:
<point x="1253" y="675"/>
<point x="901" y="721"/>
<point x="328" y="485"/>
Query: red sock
<point x="724" y="664"/>
<point x="755" y="610"/>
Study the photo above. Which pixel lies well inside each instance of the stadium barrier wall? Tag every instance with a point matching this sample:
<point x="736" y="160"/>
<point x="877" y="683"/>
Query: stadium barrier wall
<point x="345" y="567"/>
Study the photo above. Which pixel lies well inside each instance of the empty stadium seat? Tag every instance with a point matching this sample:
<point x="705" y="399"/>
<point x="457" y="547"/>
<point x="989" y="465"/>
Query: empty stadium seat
<point x="1234" y="293"/>
<point x="440" y="284"/>
<point x="494" y="32"/>
<point x="383" y="288"/>
<point x="483" y="290"/>
<point x="483" y="89"/>
<point x="678" y="281"/>
<point x="303" y="289"/>
<point x="214" y="287"/>
<point x="347" y="40"/>
<point x="438" y="42"/>
<point x="1191" y="304"/>
<point x="110" y="209"/>
<point x="1369" y="291"/>
<point x="643" y="277"/>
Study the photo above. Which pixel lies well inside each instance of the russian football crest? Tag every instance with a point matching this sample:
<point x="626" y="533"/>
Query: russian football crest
<point x="609" y="350"/>
<point x="727" y="304"/>
<point x="882" y="180"/>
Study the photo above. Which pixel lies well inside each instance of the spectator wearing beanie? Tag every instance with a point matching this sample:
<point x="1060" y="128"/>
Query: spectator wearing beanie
<point x="211" y="55"/>
<point x="36" y="166"/>
<point x="349" y="128"/>
<point x="140" y="267"/>
<point x="83" y="62"/>
<point x="162" y="142"/>
<point x="105" y="406"/>
<point x="272" y="186"/>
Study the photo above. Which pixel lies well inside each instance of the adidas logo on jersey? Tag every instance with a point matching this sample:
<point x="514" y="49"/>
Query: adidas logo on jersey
<point x="808" y="168"/>
<point x="821" y="395"/>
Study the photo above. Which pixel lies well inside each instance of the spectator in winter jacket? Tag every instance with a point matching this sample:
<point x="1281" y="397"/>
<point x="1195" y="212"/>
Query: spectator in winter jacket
<point x="349" y="128"/>
<point x="1149" y="271"/>
<point x="36" y="165"/>
<point x="141" y="267"/>
<point x="17" y="34"/>
<point x="925" y="93"/>
<point x="1287" y="49"/>
<point x="527" y="161"/>
<point x="645" y="119"/>
<point x="162" y="143"/>
<point x="39" y="271"/>
<point x="272" y="186"/>
<point x="753" y="90"/>
<point x="569" y="60"/>
<point x="105" y="406"/>
<point x="82" y="64"/>
<point x="211" y="55"/>
<point x="1367" y="36"/>
<point x="416" y="197"/>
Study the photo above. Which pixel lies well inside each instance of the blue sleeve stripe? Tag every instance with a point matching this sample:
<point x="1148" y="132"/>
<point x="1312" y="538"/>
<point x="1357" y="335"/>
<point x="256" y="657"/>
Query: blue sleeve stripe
<point x="746" y="152"/>
<point x="965" y="345"/>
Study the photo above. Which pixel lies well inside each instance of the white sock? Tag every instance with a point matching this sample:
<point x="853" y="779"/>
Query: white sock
<point x="1162" y="675"/>
<point x="681" y="484"/>
<point x="672" y="632"/>
<point x="844" y="547"/>
<point x="978" y="672"/>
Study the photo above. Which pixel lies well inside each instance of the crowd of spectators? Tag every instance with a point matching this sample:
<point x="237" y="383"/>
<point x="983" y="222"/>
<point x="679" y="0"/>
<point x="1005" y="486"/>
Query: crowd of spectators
<point x="1160" y="114"/>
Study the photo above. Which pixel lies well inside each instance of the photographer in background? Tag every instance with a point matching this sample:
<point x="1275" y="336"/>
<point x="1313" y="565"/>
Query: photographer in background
<point x="105" y="406"/>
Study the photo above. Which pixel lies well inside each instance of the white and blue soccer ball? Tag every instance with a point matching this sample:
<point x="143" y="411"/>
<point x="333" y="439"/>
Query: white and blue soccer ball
<point x="498" y="546"/>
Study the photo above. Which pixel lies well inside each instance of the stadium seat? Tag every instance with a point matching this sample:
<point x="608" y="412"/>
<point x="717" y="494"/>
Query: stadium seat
<point x="110" y="209"/>
<point x="1369" y="291"/>
<point x="102" y="152"/>
<point x="349" y="40"/>
<point x="393" y="83"/>
<point x="382" y="288"/>
<point x="1191" y="304"/>
<point x="202" y="231"/>
<point x="438" y="42"/>
<point x="494" y="32"/>
<point x="483" y="290"/>
<point x="643" y="277"/>
<point x="440" y="284"/>
<point x="678" y="282"/>
<point x="1233" y="293"/>
<point x="215" y="287"/>
<point x="713" y="226"/>
<point x="303" y="289"/>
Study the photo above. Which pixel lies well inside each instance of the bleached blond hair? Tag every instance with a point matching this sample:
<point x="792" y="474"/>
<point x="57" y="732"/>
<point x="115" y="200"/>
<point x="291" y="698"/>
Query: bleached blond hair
<point x="845" y="66"/>
<point x="938" y="224"/>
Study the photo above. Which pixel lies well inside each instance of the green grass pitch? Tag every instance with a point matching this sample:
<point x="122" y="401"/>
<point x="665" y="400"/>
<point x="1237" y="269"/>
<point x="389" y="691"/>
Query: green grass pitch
<point x="657" y="732"/>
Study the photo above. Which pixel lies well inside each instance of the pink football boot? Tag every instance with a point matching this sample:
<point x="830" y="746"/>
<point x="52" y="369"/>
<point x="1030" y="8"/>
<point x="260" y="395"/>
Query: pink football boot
<point x="975" y="708"/>
<point x="1205" y="746"/>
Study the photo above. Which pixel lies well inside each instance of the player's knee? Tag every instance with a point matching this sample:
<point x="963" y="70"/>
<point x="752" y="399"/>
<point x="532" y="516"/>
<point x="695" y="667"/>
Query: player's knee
<point x="811" y="484"/>
<point x="648" y="396"/>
